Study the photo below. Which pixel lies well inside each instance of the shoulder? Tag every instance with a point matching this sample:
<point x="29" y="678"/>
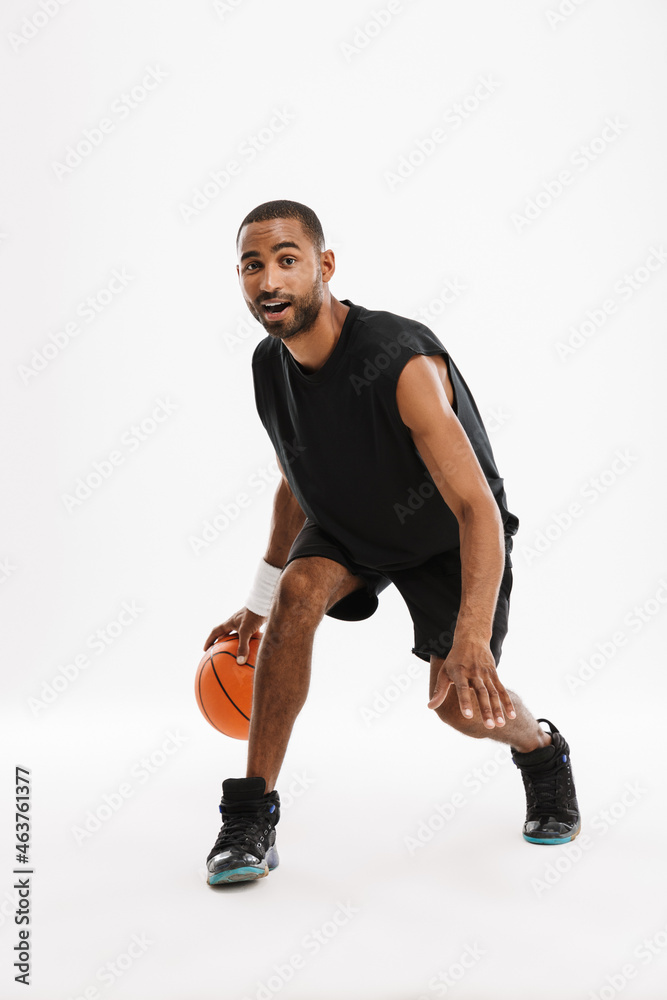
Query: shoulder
<point x="386" y="345"/>
<point x="405" y="329"/>
<point x="421" y="360"/>
<point x="267" y="350"/>
<point x="395" y="339"/>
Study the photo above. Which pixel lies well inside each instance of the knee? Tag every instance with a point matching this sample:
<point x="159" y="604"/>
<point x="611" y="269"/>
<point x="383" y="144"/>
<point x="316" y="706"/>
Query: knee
<point x="450" y="712"/>
<point x="299" y="593"/>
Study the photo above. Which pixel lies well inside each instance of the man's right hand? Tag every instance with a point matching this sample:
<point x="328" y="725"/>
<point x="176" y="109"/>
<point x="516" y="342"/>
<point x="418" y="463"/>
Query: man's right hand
<point x="245" y="623"/>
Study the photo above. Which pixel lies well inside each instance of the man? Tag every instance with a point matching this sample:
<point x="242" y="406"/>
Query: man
<point x="387" y="477"/>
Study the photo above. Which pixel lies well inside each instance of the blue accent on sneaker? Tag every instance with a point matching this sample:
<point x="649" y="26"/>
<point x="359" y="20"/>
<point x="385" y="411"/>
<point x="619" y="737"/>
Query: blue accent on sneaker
<point x="564" y="757"/>
<point x="235" y="874"/>
<point x="272" y="808"/>
<point x="554" y="840"/>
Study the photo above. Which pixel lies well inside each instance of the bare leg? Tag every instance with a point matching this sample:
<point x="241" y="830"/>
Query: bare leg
<point x="523" y="733"/>
<point x="308" y="587"/>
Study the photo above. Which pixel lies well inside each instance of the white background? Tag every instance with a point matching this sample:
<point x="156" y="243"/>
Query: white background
<point x="360" y="97"/>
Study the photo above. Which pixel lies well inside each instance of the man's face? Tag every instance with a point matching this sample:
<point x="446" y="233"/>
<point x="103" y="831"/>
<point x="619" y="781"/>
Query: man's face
<point x="281" y="276"/>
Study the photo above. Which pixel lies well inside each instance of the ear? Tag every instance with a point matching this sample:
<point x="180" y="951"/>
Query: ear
<point x="328" y="265"/>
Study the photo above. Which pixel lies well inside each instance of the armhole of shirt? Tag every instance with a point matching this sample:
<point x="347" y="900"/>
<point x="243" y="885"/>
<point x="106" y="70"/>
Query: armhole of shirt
<point x="428" y="352"/>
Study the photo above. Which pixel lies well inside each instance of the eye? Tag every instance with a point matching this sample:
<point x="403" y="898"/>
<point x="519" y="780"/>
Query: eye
<point x="249" y="264"/>
<point x="286" y="259"/>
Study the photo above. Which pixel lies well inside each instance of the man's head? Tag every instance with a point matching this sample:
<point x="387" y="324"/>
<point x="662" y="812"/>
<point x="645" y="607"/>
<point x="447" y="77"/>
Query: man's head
<point x="283" y="263"/>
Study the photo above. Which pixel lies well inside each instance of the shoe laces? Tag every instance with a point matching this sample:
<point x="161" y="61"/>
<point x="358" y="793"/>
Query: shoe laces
<point x="550" y="789"/>
<point x="244" y="823"/>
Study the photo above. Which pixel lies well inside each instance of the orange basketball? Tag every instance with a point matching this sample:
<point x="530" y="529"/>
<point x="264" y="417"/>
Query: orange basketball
<point x="223" y="687"/>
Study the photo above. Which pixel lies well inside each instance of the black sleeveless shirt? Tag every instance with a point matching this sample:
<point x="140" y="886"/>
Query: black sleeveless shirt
<point x="348" y="457"/>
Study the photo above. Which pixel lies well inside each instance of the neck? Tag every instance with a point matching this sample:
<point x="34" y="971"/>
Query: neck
<point x="313" y="347"/>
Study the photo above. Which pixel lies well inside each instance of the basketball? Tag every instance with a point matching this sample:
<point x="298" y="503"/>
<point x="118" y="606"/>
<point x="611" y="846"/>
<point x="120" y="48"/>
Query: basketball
<point x="223" y="687"/>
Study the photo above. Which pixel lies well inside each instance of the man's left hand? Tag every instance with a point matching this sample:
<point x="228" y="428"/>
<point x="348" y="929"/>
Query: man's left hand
<point x="470" y="667"/>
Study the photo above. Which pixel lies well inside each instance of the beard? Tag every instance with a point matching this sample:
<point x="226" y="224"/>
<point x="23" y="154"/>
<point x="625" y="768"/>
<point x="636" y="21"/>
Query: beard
<point x="301" y="316"/>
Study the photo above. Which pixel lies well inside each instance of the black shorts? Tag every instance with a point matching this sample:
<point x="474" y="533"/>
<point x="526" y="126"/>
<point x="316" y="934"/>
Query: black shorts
<point x="431" y="591"/>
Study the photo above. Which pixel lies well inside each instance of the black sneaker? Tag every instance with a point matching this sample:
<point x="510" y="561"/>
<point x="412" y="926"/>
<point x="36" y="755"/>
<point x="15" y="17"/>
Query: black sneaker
<point x="552" y="815"/>
<point x="246" y="845"/>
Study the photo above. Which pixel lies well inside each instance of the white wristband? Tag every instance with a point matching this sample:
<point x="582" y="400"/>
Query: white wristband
<point x="263" y="588"/>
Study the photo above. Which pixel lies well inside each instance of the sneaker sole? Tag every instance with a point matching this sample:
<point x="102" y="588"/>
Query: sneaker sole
<point x="553" y="840"/>
<point x="246" y="874"/>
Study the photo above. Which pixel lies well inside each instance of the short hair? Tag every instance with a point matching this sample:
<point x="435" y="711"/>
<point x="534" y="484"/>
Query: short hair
<point x="288" y="210"/>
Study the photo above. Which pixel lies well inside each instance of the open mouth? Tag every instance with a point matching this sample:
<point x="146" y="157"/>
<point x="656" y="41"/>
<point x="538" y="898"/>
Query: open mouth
<point x="276" y="309"/>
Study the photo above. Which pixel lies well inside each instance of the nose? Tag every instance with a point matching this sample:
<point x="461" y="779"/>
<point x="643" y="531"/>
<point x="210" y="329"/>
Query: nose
<point x="270" y="280"/>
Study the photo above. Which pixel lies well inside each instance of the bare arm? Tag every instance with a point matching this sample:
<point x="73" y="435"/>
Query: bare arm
<point x="450" y="458"/>
<point x="286" y="523"/>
